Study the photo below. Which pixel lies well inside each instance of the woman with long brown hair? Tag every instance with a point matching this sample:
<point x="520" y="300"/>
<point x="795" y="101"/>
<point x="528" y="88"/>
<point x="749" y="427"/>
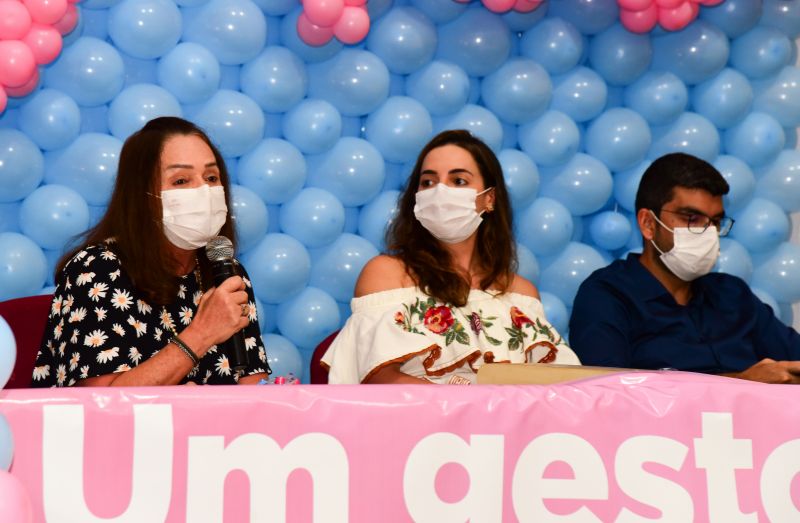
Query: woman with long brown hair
<point x="134" y="303"/>
<point x="445" y="299"/>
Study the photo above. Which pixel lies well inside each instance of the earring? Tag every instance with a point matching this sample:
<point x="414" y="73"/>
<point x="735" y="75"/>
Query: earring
<point x="489" y="208"/>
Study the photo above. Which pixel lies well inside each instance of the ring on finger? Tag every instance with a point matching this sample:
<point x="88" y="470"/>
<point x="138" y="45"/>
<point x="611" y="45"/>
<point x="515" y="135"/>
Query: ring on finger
<point x="245" y="309"/>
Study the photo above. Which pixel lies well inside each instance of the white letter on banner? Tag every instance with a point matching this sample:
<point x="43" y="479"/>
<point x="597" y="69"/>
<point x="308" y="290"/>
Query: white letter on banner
<point x="268" y="468"/>
<point x="721" y="455"/>
<point x="671" y="499"/>
<point x="483" y="460"/>
<point x="530" y="488"/>
<point x="62" y="464"/>
<point x="780" y="468"/>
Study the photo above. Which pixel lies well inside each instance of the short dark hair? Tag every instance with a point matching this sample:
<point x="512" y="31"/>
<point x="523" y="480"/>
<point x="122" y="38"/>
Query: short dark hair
<point x="677" y="170"/>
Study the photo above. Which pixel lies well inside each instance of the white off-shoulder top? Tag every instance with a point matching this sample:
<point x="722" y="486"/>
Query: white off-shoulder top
<point x="439" y="342"/>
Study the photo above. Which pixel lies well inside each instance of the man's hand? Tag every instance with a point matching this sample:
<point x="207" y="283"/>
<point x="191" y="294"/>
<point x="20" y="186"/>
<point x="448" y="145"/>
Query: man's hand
<point x="770" y="371"/>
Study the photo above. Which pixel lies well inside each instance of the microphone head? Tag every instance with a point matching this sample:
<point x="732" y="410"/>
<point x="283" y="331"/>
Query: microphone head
<point x="219" y="248"/>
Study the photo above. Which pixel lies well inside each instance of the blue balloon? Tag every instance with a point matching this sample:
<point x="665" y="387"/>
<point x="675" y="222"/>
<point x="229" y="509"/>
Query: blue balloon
<point x="690" y="134"/>
<point x="353" y="170"/>
<point x="190" y="72"/>
<point x="779" y="96"/>
<point x="6" y="435"/>
<point x="9" y="216"/>
<point x="314" y="216"/>
<point x="250" y="217"/>
<point x="399" y="128"/>
<point x="740" y="179"/>
<point x="521" y="176"/>
<point x="24" y="266"/>
<point x="724" y="99"/>
<point x="527" y="265"/>
<point x="581" y="94"/>
<point x="138" y="70"/>
<point x="658" y="96"/>
<point x="545" y="227"/>
<point x="782" y="14"/>
<point x="555" y="311"/>
<point x="610" y="230"/>
<point x="283" y="357"/>
<point x="442" y="87"/>
<point x="791" y="137"/>
<point x="568" y="270"/>
<point x="589" y="16"/>
<point x="8" y="354"/>
<point x="98" y="4"/>
<point x="309" y="317"/>
<point x="267" y="317"/>
<point x="761" y="52"/>
<point x="90" y="71"/>
<point x="356" y="82"/>
<point x="758" y="139"/>
<point x="145" y="28"/>
<point x="767" y="299"/>
<point x="52" y="214"/>
<point x="761" y="225"/>
<point x="694" y="54"/>
<point x="440" y="11"/>
<point x="336" y="269"/>
<point x="554" y="43"/>
<point x="313" y="126"/>
<point x="137" y="105"/>
<point x="733" y="17"/>
<point x="51" y="119"/>
<point x="476" y="119"/>
<point x="518" y="91"/>
<point x="233" y="121"/>
<point x="779" y="181"/>
<point x="21" y="165"/>
<point x="275" y="8"/>
<point x="583" y="184"/>
<point x="229" y="77"/>
<point x="521" y="22"/>
<point x="551" y="139"/>
<point x="276" y="79"/>
<point x="88" y="165"/>
<point x="478" y="41"/>
<point x="351" y="220"/>
<point x="94" y="21"/>
<point x="94" y="119"/>
<point x="279" y="267"/>
<point x="620" y="56"/>
<point x="619" y="138"/>
<point x="376" y="216"/>
<point x="404" y="38"/>
<point x="235" y="31"/>
<point x="734" y="259"/>
<point x="779" y="273"/>
<point x="275" y="170"/>
<point x="308" y="53"/>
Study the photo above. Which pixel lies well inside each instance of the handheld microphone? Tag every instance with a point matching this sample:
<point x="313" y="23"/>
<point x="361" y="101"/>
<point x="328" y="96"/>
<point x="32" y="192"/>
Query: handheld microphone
<point x="220" y="253"/>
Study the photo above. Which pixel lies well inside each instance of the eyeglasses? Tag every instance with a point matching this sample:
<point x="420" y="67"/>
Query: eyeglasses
<point x="698" y="223"/>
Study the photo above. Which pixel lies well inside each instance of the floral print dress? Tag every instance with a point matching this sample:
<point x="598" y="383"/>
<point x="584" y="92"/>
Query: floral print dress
<point x="100" y="324"/>
<point x="439" y="342"/>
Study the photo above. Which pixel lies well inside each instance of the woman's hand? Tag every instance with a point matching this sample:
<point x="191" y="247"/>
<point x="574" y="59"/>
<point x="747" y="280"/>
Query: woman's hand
<point x="222" y="312"/>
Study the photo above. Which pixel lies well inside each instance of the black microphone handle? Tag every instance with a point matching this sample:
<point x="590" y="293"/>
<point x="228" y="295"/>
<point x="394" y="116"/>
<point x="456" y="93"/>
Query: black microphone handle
<point x="234" y="346"/>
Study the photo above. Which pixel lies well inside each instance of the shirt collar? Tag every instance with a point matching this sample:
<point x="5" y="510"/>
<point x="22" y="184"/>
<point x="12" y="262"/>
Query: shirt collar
<point x="649" y="286"/>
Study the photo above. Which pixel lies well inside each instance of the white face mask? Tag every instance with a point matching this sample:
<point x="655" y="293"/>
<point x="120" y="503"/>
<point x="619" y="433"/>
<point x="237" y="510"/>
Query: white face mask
<point x="193" y="216"/>
<point x="448" y="213"/>
<point x="692" y="255"/>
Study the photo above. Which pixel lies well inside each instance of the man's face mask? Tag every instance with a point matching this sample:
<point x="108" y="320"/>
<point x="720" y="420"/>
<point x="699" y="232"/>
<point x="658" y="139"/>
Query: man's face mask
<point x="692" y="255"/>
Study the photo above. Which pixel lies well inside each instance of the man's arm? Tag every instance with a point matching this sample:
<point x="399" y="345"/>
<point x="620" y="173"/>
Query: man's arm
<point x="599" y="328"/>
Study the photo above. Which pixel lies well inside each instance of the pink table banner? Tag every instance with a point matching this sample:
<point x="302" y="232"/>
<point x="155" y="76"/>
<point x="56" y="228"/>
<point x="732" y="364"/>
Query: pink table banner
<point x="634" y="447"/>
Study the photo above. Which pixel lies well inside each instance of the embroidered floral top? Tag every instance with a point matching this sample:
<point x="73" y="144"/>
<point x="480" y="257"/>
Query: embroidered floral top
<point x="99" y="324"/>
<point x="442" y="343"/>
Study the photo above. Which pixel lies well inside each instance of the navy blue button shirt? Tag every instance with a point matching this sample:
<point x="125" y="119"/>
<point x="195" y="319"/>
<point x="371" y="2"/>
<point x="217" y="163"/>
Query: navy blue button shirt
<point x="624" y="317"/>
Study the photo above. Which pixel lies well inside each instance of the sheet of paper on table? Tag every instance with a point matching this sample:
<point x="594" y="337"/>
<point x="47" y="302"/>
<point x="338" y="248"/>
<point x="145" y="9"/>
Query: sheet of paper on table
<point x="538" y="373"/>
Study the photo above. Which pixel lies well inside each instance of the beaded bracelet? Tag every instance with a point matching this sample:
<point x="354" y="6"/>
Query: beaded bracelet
<point x="185" y="348"/>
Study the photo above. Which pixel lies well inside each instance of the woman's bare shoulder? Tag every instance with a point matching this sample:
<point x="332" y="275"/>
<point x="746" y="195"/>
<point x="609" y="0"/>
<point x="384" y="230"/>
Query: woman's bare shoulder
<point x="382" y="273"/>
<point x="522" y="286"/>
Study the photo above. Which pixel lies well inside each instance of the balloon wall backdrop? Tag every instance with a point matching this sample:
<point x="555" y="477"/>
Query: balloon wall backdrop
<point x="575" y="96"/>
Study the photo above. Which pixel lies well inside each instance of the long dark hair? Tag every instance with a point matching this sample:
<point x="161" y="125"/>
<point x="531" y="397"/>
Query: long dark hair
<point x="133" y="218"/>
<point x="427" y="262"/>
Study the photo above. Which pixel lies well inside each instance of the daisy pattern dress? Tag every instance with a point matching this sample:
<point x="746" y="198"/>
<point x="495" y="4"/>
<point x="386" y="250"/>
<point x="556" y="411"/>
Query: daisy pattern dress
<point x="100" y="324"/>
<point x="440" y="342"/>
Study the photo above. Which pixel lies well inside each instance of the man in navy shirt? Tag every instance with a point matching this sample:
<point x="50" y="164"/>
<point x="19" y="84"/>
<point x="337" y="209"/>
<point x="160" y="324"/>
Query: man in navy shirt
<point x="663" y="309"/>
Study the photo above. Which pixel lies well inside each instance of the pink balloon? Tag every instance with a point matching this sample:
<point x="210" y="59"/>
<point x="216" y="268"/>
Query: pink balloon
<point x="313" y="34"/>
<point x="639" y="21"/>
<point x="15" y="503"/>
<point x="678" y="18"/>
<point x="669" y="4"/>
<point x="355" y="2"/>
<point x="499" y="6"/>
<point x="709" y="2"/>
<point x="25" y="88"/>
<point x="353" y="26"/>
<point x="68" y="21"/>
<point x="3" y="99"/>
<point x="15" y="21"/>
<point x="634" y="5"/>
<point x="17" y="63"/>
<point x="46" y="11"/>
<point x="44" y="42"/>
<point x="323" y="13"/>
<point x="526" y="6"/>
